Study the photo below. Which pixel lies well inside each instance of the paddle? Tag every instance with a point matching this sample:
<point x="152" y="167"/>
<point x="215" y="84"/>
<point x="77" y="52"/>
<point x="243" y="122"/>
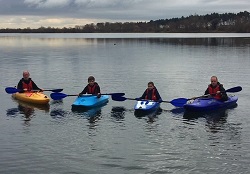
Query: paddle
<point x="176" y="102"/>
<point x="12" y="90"/>
<point x="59" y="96"/>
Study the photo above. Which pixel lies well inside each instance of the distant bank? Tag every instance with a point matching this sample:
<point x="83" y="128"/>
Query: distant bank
<point x="210" y="23"/>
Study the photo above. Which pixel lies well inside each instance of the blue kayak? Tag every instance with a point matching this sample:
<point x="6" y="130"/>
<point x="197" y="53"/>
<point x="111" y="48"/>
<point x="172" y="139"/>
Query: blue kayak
<point x="210" y="104"/>
<point x="89" y="101"/>
<point x="146" y="106"/>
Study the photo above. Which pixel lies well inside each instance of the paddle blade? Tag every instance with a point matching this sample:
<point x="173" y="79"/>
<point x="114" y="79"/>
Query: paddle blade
<point x="58" y="96"/>
<point x="115" y="94"/>
<point x="118" y="98"/>
<point x="11" y="90"/>
<point x="179" y="102"/>
<point x="234" y="89"/>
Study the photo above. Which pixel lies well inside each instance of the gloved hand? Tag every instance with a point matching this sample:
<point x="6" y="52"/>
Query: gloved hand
<point x="98" y="95"/>
<point x="160" y="100"/>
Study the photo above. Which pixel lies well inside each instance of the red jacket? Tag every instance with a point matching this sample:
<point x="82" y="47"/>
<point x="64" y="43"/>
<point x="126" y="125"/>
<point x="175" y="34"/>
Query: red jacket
<point x="213" y="90"/>
<point x="28" y="86"/>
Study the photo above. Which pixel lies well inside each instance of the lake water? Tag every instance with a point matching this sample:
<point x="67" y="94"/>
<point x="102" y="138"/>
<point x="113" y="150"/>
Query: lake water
<point x="111" y="139"/>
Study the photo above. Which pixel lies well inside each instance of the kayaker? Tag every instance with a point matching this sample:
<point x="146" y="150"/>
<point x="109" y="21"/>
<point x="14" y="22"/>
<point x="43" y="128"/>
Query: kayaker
<point x="151" y="93"/>
<point x="216" y="90"/>
<point x="26" y="83"/>
<point x="92" y="87"/>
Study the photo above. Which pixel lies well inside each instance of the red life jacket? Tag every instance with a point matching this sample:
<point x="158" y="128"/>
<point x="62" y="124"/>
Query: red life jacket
<point x="28" y="86"/>
<point x="92" y="89"/>
<point x="214" y="90"/>
<point x="153" y="95"/>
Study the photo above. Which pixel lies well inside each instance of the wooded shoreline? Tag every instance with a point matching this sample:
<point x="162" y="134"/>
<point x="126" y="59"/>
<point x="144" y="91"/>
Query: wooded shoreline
<point x="210" y="23"/>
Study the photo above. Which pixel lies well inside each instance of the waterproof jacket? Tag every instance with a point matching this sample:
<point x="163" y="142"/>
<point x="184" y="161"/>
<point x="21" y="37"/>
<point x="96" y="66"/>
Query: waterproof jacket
<point x="27" y="84"/>
<point x="213" y="89"/>
<point x="95" y="89"/>
<point x="151" y="94"/>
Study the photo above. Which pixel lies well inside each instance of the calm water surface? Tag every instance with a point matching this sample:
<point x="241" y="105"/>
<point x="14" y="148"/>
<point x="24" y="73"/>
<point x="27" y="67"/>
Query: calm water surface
<point x="111" y="139"/>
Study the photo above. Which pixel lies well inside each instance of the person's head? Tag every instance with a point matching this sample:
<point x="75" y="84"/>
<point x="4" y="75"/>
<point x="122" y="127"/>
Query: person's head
<point x="91" y="80"/>
<point x="214" y="80"/>
<point x="26" y="75"/>
<point x="151" y="85"/>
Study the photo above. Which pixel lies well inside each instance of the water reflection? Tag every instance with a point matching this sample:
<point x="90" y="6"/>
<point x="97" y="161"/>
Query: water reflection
<point x="118" y="112"/>
<point x="215" y="115"/>
<point x="58" y="113"/>
<point x="24" y="105"/>
<point x="209" y="115"/>
<point x="57" y="102"/>
<point x="176" y="111"/>
<point x="151" y="116"/>
<point x="165" y="143"/>
<point x="214" y="119"/>
<point x="12" y="112"/>
<point x="210" y="41"/>
<point x="58" y="41"/>
<point x="26" y="109"/>
<point x="93" y="114"/>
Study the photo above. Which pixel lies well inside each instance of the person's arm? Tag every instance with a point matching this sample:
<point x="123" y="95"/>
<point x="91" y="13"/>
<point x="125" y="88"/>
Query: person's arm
<point x="20" y="85"/>
<point x="143" y="95"/>
<point x="223" y="93"/>
<point x="98" y="89"/>
<point x="222" y="89"/>
<point x="34" y="86"/>
<point x="84" y="91"/>
<point x="206" y="92"/>
<point x="158" y="96"/>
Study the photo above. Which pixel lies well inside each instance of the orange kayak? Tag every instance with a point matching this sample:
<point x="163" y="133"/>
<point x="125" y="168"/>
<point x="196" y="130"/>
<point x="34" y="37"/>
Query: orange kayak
<point x="32" y="97"/>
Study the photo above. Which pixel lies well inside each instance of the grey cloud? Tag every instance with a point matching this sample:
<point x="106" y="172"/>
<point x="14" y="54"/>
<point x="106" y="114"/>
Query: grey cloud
<point x="46" y="3"/>
<point x="79" y="3"/>
<point x="131" y="10"/>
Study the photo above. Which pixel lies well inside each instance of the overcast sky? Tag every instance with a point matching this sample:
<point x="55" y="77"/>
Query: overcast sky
<point x="68" y="13"/>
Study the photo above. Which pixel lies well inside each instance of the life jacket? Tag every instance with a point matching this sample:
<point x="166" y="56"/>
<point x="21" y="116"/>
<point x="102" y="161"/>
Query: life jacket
<point x="28" y="86"/>
<point x="214" y="90"/>
<point x="92" y="89"/>
<point x="153" y="97"/>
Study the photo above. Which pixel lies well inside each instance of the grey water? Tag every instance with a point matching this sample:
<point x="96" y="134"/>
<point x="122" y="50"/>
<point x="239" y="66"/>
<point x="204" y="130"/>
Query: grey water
<point x="112" y="139"/>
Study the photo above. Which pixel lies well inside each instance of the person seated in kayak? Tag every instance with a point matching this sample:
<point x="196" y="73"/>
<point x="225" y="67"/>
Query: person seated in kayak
<point x="216" y="90"/>
<point x="92" y="87"/>
<point x="27" y="84"/>
<point x="151" y="93"/>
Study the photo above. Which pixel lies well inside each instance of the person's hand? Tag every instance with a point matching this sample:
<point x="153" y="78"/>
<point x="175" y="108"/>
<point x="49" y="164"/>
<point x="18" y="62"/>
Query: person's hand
<point x="218" y="92"/>
<point x="160" y="100"/>
<point x="98" y="95"/>
<point x="25" y="89"/>
<point x="138" y="98"/>
<point x="40" y="90"/>
<point x="79" y="95"/>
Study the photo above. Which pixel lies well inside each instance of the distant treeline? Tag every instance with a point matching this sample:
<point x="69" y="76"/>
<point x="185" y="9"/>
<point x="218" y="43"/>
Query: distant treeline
<point x="214" y="22"/>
